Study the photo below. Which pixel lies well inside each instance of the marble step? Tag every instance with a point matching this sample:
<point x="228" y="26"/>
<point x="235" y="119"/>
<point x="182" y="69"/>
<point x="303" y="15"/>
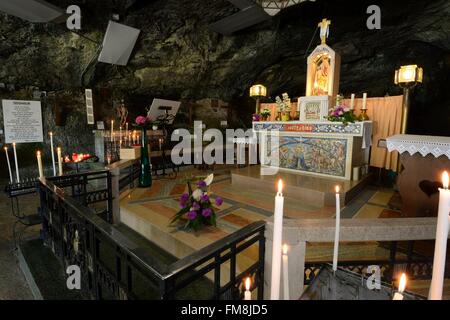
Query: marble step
<point x="299" y="187"/>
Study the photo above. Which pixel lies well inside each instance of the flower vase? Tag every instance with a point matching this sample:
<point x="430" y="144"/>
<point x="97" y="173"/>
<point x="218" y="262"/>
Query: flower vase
<point x="145" y="175"/>
<point x="278" y="118"/>
<point x="285" y="116"/>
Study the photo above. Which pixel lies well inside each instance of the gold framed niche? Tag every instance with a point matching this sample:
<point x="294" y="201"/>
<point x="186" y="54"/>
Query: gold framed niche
<point x="323" y="71"/>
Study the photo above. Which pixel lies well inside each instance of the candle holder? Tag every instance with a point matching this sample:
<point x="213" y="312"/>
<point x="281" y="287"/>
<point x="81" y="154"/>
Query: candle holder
<point x="363" y="116"/>
<point x="348" y="285"/>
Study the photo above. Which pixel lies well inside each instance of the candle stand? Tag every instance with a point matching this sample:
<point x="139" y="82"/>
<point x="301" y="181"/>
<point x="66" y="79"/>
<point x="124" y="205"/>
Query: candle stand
<point x="348" y="285"/>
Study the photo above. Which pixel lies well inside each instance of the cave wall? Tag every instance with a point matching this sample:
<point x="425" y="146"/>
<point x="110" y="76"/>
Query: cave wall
<point x="178" y="57"/>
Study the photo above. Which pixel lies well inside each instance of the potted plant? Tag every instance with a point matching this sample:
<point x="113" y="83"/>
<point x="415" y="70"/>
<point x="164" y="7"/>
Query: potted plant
<point x="265" y="114"/>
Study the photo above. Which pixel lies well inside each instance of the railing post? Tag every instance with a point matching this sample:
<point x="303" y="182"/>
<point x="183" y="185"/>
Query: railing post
<point x="114" y="202"/>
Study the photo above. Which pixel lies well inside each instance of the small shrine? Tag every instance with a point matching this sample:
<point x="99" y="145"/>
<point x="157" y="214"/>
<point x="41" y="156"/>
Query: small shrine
<point x="322" y="79"/>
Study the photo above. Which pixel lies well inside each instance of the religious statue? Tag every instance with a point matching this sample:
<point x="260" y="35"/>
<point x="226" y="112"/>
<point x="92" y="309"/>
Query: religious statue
<point x="324" y="26"/>
<point x="320" y="87"/>
<point x="122" y="113"/>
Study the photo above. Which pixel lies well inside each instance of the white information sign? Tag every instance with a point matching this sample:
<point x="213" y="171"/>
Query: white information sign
<point x="22" y="121"/>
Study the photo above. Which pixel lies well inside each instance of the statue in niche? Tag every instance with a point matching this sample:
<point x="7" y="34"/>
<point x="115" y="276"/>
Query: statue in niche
<point x="321" y="74"/>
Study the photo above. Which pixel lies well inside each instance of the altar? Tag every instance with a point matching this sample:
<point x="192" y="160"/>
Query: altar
<point x="327" y="149"/>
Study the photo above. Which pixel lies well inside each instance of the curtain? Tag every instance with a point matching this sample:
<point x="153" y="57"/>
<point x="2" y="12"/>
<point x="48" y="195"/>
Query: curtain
<point x="386" y="115"/>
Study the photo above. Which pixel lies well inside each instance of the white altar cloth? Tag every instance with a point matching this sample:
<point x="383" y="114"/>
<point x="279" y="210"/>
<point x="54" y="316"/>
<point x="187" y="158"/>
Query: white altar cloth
<point x="435" y="145"/>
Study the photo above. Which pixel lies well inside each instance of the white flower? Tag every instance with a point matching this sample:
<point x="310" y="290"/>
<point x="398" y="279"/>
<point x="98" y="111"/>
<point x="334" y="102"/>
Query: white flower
<point x="209" y="179"/>
<point x="197" y="194"/>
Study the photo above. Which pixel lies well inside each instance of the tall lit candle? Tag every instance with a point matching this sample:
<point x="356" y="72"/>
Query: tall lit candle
<point x="337" y="230"/>
<point x="247" y="293"/>
<point x="401" y="287"/>
<point x="285" y="272"/>
<point x="53" y="153"/>
<point x="16" y="162"/>
<point x="120" y="136"/>
<point x="352" y="101"/>
<point x="160" y="144"/>
<point x="9" y="165"/>
<point x="60" y="161"/>
<point x="39" y="162"/>
<point x="364" y="103"/>
<point x="276" y="248"/>
<point x="126" y="130"/>
<point x="112" y="130"/>
<point x="440" y="247"/>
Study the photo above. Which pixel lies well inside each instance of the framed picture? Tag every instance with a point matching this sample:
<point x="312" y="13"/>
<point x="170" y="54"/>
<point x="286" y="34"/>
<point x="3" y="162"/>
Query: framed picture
<point x="313" y="108"/>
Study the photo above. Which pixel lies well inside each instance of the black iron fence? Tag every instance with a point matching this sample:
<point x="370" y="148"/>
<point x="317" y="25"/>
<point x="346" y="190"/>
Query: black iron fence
<point x="115" y="267"/>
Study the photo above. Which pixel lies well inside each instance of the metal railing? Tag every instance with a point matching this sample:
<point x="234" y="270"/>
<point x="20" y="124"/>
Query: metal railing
<point x="113" y="266"/>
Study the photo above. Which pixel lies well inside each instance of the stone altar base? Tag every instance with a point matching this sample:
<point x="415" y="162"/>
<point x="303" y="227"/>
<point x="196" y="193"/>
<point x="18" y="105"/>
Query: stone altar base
<point x="299" y="187"/>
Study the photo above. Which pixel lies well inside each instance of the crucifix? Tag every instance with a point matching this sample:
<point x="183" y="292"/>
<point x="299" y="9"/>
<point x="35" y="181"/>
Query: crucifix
<point x="324" y="29"/>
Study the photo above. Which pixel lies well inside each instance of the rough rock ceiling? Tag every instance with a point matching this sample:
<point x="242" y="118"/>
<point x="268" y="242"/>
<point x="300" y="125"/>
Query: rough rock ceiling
<point x="178" y="56"/>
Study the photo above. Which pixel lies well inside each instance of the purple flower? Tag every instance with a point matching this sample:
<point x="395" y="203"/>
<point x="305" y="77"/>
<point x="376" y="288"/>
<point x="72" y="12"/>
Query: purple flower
<point x="219" y="201"/>
<point x="182" y="205"/>
<point x="256" y="117"/>
<point x="201" y="184"/>
<point x="204" y="198"/>
<point x="184" y="197"/>
<point x="206" y="212"/>
<point x="195" y="206"/>
<point x="191" y="215"/>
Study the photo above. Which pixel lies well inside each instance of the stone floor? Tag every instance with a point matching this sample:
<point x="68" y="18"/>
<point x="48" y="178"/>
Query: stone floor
<point x="13" y="285"/>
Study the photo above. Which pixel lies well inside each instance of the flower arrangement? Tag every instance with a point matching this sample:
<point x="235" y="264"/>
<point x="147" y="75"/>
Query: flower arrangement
<point x="256" y="117"/>
<point x="341" y="114"/>
<point x="143" y="122"/>
<point x="265" y="113"/>
<point x="283" y="103"/>
<point x="196" y="207"/>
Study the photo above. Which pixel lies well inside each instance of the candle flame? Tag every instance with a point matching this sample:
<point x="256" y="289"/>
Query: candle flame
<point x="38" y="153"/>
<point x="58" y="149"/>
<point x="6" y="148"/>
<point x="247" y="283"/>
<point x="285" y="248"/>
<point x="14" y="144"/>
<point x="445" y="179"/>
<point x="402" y="285"/>
<point x="337" y="189"/>
<point x="280" y="186"/>
<point x="50" y="133"/>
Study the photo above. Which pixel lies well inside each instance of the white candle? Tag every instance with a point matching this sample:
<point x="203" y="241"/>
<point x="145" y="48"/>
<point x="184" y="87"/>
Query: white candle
<point x="401" y="287"/>
<point x="108" y="159"/>
<point x="337" y="230"/>
<point x="39" y="162"/>
<point x="276" y="247"/>
<point x="9" y="165"/>
<point x="160" y="144"/>
<point x="126" y="130"/>
<point x="364" y="104"/>
<point x="120" y="136"/>
<point x="53" y="153"/>
<point x="60" y="161"/>
<point x="285" y="272"/>
<point x="247" y="293"/>
<point x="112" y="130"/>
<point x="440" y="247"/>
<point x="16" y="162"/>
<point x="352" y="101"/>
